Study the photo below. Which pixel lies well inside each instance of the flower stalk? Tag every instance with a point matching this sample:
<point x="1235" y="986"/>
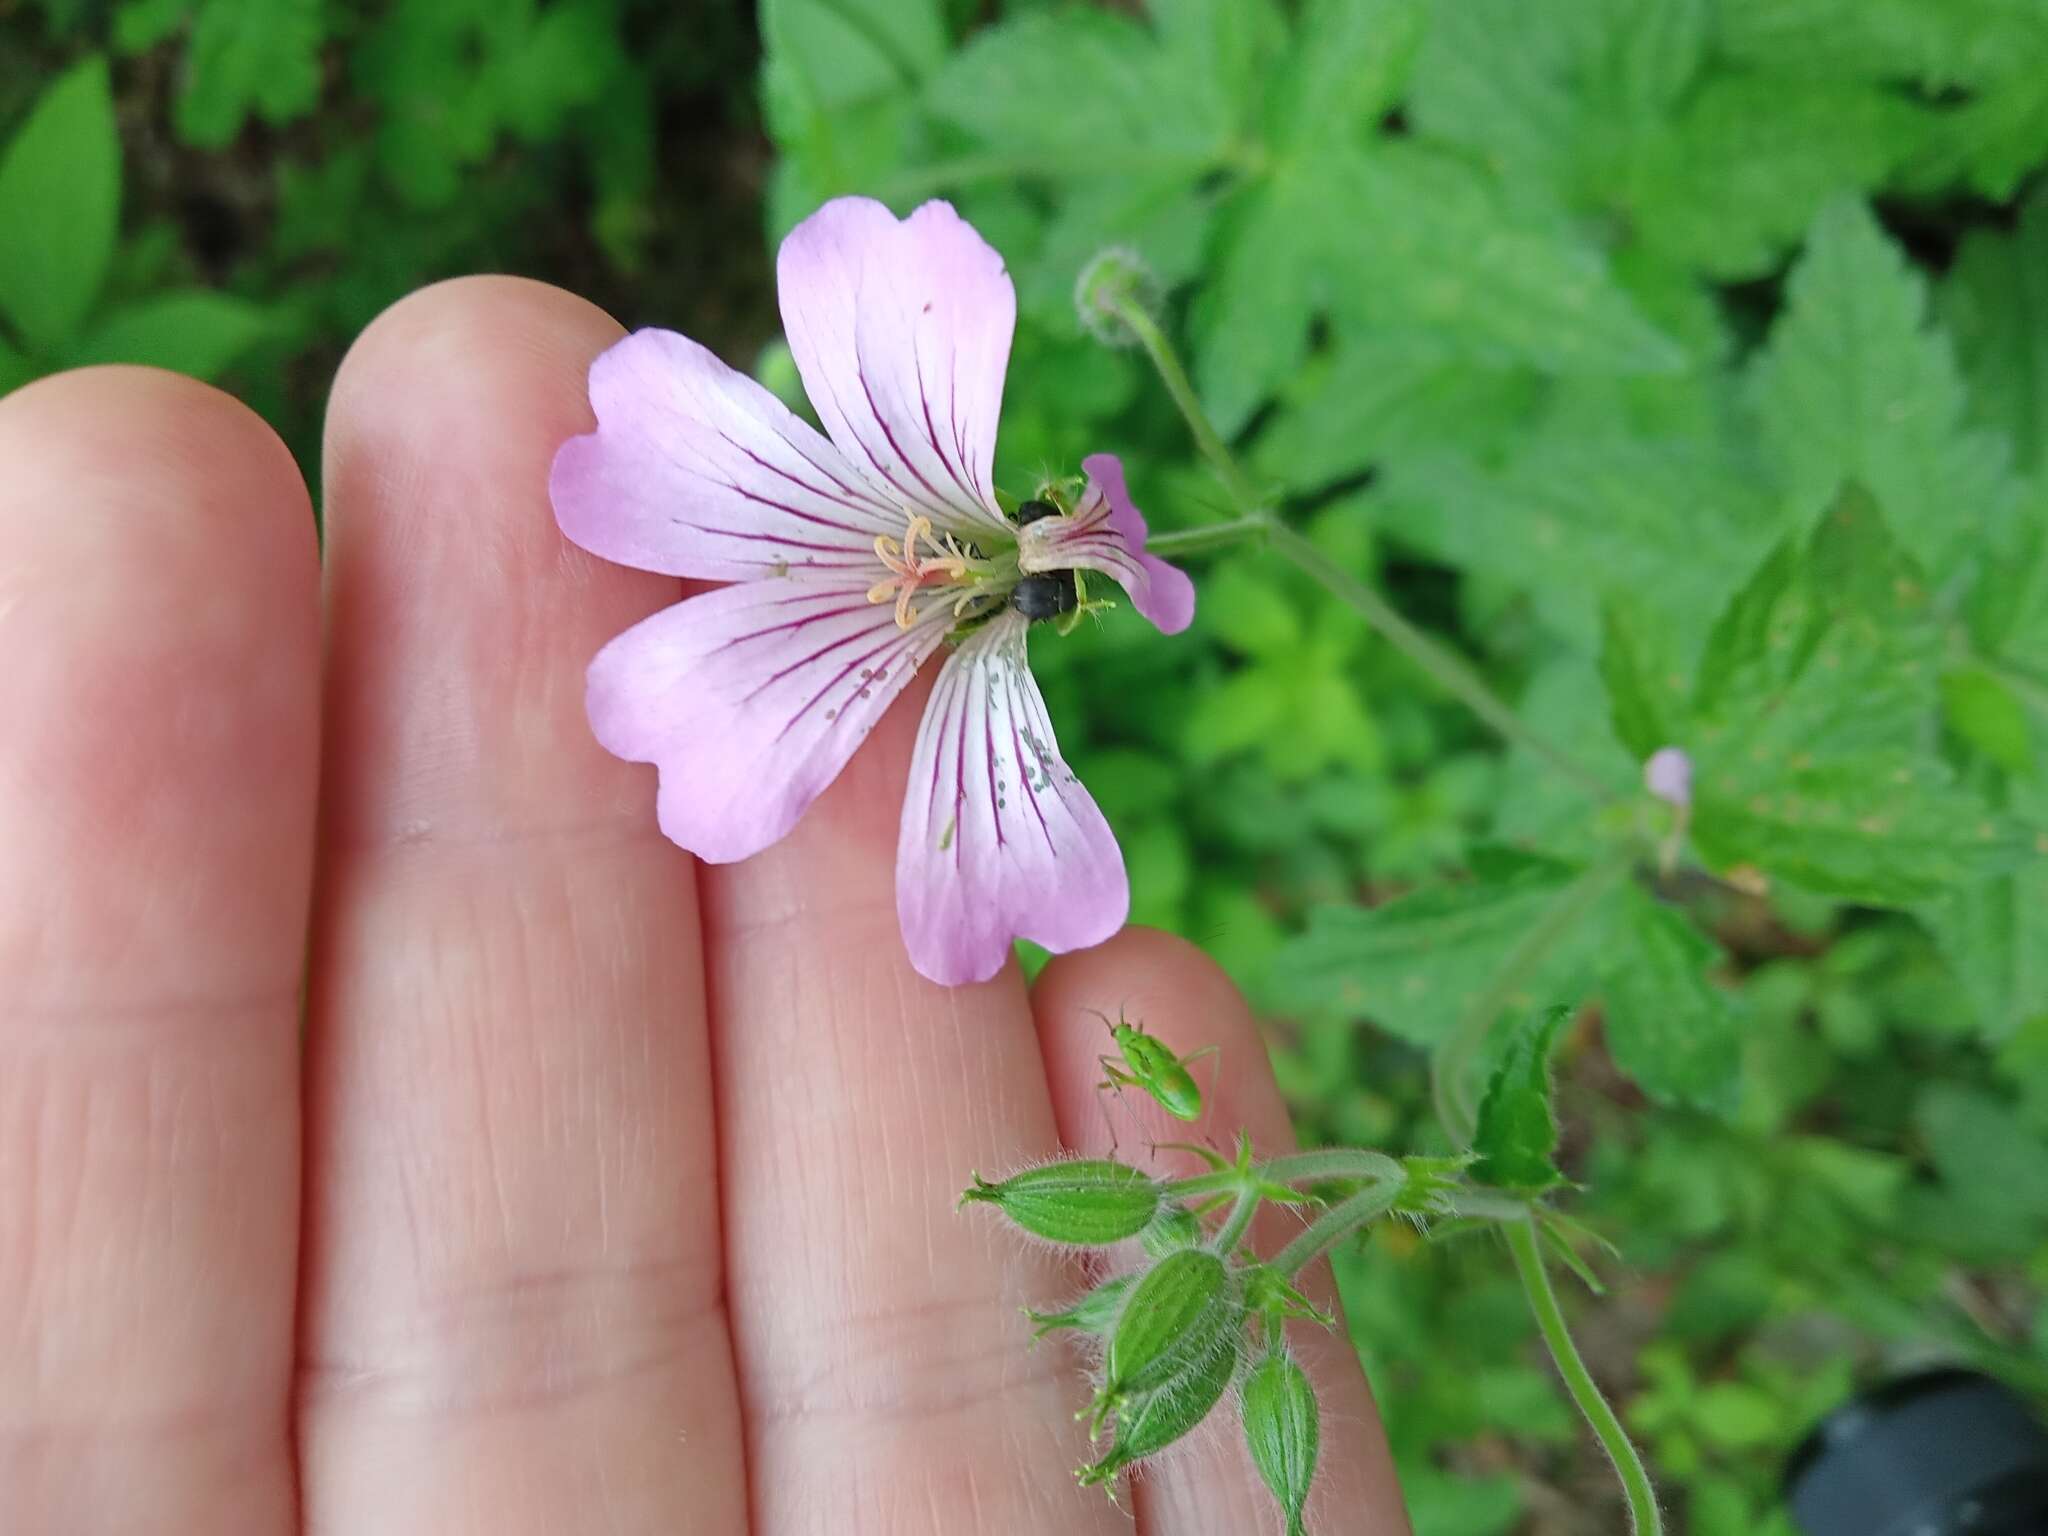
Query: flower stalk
<point x="1257" y="521"/>
<point x="1644" y="1517"/>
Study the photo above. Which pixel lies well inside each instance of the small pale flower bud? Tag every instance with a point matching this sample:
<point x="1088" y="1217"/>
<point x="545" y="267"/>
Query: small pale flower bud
<point x="1178" y="1314"/>
<point x="1283" y="1429"/>
<point x="1151" y="1422"/>
<point x="1093" y="1313"/>
<point x="1668" y="776"/>
<point x="1113" y="278"/>
<point x="1089" y="1203"/>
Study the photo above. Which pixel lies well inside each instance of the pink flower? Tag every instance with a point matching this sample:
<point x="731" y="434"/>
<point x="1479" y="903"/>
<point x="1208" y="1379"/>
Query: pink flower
<point x="853" y="558"/>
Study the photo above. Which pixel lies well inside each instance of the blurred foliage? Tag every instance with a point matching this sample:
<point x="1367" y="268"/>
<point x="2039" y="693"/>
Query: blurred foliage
<point x="1683" y="362"/>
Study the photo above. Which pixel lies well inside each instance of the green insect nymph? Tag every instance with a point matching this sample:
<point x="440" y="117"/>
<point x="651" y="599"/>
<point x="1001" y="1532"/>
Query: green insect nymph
<point x="1149" y="1065"/>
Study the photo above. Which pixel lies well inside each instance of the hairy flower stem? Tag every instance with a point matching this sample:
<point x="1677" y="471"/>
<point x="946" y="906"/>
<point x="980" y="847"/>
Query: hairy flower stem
<point x="1644" y="1518"/>
<point x="1339" y="1221"/>
<point x="1450" y="1070"/>
<point x="1237" y="1223"/>
<point x="1449" y="671"/>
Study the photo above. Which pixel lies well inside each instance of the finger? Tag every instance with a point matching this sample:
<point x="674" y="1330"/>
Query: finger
<point x="159" y="616"/>
<point x="513" y="1317"/>
<point x="1210" y="1488"/>
<point x="889" y="1382"/>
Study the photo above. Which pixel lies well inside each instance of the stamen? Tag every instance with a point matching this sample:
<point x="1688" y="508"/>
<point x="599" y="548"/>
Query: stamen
<point x="909" y="569"/>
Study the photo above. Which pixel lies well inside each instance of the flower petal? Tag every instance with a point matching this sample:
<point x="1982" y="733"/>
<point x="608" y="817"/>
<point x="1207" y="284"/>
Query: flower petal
<point x="750" y="699"/>
<point x="696" y="470"/>
<point x="1106" y="533"/>
<point x="901" y="330"/>
<point x="999" y="840"/>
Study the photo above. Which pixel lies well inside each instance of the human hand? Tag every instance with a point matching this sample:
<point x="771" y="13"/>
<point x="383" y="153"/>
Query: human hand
<point x="601" y="1192"/>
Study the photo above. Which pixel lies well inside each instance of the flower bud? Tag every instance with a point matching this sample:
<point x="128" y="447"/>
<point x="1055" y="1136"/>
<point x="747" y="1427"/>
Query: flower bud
<point x="1668" y="776"/>
<point x="1175" y="1227"/>
<point x="1093" y="1313"/>
<point x="1180" y="1312"/>
<point x="1089" y="1203"/>
<point x="1284" y="1431"/>
<point x="1152" y="1421"/>
<point x="1113" y="278"/>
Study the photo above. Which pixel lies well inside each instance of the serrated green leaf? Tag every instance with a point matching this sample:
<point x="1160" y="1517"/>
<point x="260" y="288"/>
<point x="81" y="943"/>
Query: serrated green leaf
<point x="1226" y="47"/>
<point x="1452" y="252"/>
<point x="1736" y="177"/>
<point x="1994" y="301"/>
<point x="1994" y="934"/>
<point x="247" y="57"/>
<point x="195" y="332"/>
<point x="1251" y="319"/>
<point x="1668" y="1025"/>
<point x="1570" y="519"/>
<point x="1646" y="690"/>
<point x="1814" y="721"/>
<point x="1416" y="965"/>
<point x="1349" y="64"/>
<point x="60" y="206"/>
<point x="1854" y="386"/>
<point x="846" y="51"/>
<point x="1516" y="1136"/>
<point x="1086" y="92"/>
<point x="1381" y="393"/>
<point x="1955" y="42"/>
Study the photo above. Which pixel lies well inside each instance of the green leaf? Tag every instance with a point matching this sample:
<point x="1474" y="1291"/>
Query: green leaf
<point x="1981" y="709"/>
<point x="846" y="51"/>
<point x="1571" y="519"/>
<point x="1668" y="1025"/>
<point x="195" y="332"/>
<point x="60" y="206"/>
<point x="249" y="56"/>
<point x="1081" y="93"/>
<point x="1994" y="301"/>
<point x="1985" y="1152"/>
<point x="1854" y="386"/>
<point x="1349" y="64"/>
<point x="140" y="25"/>
<point x="1379" y="394"/>
<point x="1646" y="690"/>
<point x="1737" y="176"/>
<point x="1251" y="320"/>
<point x="1994" y="934"/>
<point x="1416" y="965"/>
<point x="1814" y="722"/>
<point x="1454" y="253"/>
<point x="15" y="370"/>
<point x="1517" y="1132"/>
<point x="1956" y="42"/>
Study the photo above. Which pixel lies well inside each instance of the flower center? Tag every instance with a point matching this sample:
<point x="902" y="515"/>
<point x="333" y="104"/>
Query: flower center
<point x="921" y="558"/>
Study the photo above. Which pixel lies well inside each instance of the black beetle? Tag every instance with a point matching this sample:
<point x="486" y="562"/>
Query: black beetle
<point x="1046" y="594"/>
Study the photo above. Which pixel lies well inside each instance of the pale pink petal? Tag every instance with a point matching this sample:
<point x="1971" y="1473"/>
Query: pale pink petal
<point x="901" y="330"/>
<point x="750" y="699"/>
<point x="999" y="840"/>
<point x="696" y="470"/>
<point x="1106" y="533"/>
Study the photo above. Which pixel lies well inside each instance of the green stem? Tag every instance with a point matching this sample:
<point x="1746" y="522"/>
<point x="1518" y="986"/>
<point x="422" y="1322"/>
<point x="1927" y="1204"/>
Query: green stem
<point x="1210" y="536"/>
<point x="1340" y="1220"/>
<point x="1450" y="672"/>
<point x="1451" y="1069"/>
<point x="1182" y="389"/>
<point x="1332" y="1163"/>
<point x="1237" y="1223"/>
<point x="1644" y="1518"/>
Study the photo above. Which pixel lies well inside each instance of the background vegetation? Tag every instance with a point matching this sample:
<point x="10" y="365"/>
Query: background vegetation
<point x="1561" y="323"/>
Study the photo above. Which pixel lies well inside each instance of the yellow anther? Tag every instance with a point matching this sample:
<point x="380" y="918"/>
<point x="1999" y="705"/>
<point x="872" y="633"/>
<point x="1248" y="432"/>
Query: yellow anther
<point x="910" y="570"/>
